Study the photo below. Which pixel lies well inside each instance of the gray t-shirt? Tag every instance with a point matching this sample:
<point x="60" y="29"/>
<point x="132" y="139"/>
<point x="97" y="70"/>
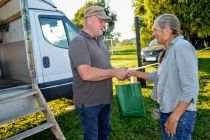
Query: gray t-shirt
<point x="85" y="49"/>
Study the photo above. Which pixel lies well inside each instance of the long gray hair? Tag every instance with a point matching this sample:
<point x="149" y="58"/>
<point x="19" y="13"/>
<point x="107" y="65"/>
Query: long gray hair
<point x="168" y="21"/>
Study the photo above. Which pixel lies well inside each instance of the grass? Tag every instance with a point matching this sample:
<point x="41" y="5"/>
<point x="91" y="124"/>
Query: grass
<point x="142" y="128"/>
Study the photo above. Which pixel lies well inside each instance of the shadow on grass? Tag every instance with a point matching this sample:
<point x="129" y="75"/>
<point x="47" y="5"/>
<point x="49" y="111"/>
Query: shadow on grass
<point x="123" y="128"/>
<point x="202" y="81"/>
<point x="125" y="52"/>
<point x="69" y="123"/>
<point x="202" y="127"/>
<point x="204" y="64"/>
<point x="203" y="98"/>
<point x="135" y="128"/>
<point x="120" y="59"/>
<point x="148" y="87"/>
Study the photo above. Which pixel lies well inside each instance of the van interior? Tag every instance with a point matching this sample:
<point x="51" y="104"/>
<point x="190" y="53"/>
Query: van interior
<point x="13" y="65"/>
<point x="13" y="57"/>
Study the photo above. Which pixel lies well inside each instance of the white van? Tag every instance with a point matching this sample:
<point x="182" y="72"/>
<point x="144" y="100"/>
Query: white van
<point x="35" y="47"/>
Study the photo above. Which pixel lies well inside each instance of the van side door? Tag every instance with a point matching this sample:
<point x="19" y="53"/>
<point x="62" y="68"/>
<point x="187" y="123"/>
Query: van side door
<point x="54" y="33"/>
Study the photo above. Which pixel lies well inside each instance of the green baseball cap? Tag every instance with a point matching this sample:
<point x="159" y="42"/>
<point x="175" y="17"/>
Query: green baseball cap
<point x="96" y="11"/>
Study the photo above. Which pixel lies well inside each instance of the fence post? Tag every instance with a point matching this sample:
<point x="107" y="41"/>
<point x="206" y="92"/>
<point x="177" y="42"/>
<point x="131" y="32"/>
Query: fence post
<point x="138" y="45"/>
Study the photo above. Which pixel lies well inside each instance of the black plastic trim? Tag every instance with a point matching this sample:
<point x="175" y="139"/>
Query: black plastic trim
<point x="57" y="89"/>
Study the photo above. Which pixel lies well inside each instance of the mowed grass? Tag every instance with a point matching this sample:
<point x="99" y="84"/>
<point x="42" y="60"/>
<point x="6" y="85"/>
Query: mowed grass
<point x="141" y="128"/>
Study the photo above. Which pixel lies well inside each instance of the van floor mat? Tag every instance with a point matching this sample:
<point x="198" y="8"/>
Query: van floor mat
<point x="8" y="83"/>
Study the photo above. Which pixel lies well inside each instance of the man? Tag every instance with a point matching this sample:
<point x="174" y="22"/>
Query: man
<point x="92" y="75"/>
<point x="176" y="80"/>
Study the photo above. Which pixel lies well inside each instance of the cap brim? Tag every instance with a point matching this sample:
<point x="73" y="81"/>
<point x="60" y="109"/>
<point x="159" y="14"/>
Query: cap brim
<point x="104" y="17"/>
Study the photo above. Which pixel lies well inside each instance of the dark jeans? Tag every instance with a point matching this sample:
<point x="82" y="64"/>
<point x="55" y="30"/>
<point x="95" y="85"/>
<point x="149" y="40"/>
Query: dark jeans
<point x="184" y="128"/>
<point x="95" y="121"/>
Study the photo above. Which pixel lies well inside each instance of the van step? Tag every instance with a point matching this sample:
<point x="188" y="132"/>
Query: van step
<point x="8" y="97"/>
<point x="31" y="131"/>
<point x="14" y="90"/>
<point x="28" y="86"/>
<point x="28" y="112"/>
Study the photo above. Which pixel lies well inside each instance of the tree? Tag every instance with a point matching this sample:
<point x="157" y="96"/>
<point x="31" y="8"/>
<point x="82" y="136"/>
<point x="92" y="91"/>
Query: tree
<point x="194" y="15"/>
<point x="116" y="36"/>
<point x="148" y="10"/>
<point x="79" y="17"/>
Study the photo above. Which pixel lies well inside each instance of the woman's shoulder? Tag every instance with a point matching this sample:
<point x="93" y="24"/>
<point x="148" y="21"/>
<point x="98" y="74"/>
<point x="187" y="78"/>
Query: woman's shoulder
<point x="183" y="44"/>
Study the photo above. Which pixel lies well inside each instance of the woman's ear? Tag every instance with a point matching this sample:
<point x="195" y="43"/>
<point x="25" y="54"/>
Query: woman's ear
<point x="168" y="31"/>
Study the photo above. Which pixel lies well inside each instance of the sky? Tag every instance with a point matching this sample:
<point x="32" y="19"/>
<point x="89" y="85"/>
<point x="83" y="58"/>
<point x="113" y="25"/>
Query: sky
<point x="122" y="8"/>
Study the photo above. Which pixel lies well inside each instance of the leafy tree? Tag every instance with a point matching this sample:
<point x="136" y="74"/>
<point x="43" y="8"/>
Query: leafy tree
<point x="79" y="17"/>
<point x="116" y="35"/>
<point x="194" y="15"/>
<point x="148" y="10"/>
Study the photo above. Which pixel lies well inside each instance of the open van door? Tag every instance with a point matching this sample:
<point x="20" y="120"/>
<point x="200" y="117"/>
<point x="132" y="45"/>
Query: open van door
<point x="54" y="33"/>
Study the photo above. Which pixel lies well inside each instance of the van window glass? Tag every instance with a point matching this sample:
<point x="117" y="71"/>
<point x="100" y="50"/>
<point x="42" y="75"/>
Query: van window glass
<point x="54" y="32"/>
<point x="72" y="31"/>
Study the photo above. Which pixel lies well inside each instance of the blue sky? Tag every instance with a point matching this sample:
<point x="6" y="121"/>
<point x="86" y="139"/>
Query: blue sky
<point x="122" y="8"/>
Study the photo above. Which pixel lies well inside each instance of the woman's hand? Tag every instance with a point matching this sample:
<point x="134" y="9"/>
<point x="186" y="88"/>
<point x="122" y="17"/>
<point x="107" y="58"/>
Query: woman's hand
<point x="170" y="126"/>
<point x="138" y="74"/>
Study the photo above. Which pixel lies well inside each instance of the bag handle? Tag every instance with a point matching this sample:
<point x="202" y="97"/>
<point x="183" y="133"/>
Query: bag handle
<point x="133" y="79"/>
<point x="138" y="68"/>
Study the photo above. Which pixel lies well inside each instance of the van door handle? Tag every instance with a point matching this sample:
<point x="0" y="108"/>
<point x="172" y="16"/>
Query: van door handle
<point x="46" y="62"/>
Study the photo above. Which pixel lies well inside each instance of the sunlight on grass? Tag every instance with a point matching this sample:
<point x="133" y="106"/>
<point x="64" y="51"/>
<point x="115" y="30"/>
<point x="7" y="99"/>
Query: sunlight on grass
<point x="145" y="128"/>
<point x="203" y="54"/>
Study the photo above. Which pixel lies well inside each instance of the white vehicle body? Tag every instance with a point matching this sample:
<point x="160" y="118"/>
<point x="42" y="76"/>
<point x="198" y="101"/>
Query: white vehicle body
<point x="35" y="48"/>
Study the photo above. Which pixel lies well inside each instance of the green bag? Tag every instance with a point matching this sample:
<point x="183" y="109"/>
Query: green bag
<point x="130" y="100"/>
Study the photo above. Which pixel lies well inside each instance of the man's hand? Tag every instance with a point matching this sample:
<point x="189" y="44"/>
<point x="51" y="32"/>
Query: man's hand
<point x="120" y="73"/>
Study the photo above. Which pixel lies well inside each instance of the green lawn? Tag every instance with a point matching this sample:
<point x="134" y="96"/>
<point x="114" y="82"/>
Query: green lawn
<point x="146" y="128"/>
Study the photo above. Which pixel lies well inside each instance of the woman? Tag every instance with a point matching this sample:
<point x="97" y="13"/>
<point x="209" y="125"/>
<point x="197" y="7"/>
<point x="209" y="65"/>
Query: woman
<point x="176" y="80"/>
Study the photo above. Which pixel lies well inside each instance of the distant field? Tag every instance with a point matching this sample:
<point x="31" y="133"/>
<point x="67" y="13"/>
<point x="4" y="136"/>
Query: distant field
<point x="124" y="56"/>
<point x="146" y="128"/>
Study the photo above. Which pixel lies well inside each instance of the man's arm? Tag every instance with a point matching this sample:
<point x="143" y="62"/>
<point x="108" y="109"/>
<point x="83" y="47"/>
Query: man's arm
<point x="89" y="73"/>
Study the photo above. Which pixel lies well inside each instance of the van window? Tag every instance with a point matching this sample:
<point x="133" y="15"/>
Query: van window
<point x="54" y="31"/>
<point x="72" y="31"/>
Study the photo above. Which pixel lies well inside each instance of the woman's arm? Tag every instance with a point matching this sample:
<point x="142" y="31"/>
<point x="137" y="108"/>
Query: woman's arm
<point x="139" y="74"/>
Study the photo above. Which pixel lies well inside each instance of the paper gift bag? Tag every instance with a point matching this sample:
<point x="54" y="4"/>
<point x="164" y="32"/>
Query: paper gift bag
<point x="130" y="99"/>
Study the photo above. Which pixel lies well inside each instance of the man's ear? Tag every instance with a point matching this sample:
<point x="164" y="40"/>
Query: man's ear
<point x="88" y="20"/>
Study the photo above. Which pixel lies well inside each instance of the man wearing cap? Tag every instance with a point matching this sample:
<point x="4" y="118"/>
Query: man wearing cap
<point x="92" y="75"/>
